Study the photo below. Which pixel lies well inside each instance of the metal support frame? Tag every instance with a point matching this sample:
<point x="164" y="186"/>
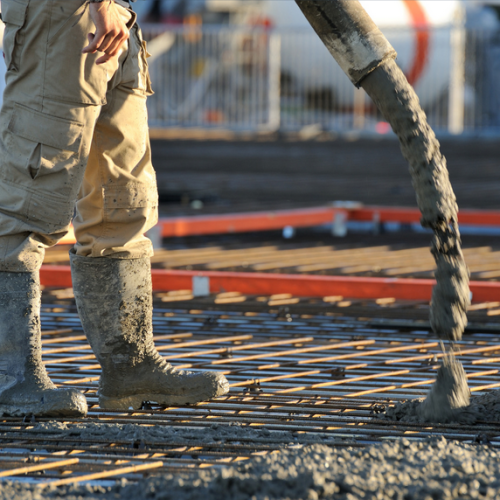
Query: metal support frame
<point x="296" y="284"/>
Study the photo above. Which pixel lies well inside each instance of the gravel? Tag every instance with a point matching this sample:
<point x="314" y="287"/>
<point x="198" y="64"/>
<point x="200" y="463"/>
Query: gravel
<point x="399" y="470"/>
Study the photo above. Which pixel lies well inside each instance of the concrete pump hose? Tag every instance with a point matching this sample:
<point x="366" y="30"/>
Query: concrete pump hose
<point x="367" y="58"/>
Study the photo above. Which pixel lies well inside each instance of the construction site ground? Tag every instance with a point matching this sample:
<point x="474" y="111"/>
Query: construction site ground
<point x="312" y="378"/>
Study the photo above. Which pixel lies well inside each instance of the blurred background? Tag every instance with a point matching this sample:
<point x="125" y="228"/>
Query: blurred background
<point x="256" y="65"/>
<point x="250" y="110"/>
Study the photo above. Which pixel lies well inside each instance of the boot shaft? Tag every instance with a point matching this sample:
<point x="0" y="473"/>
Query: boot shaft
<point x="114" y="300"/>
<point x="25" y="388"/>
<point x="20" y="331"/>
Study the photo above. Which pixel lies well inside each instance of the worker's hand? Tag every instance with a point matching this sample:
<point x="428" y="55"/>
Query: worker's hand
<point x="111" y="31"/>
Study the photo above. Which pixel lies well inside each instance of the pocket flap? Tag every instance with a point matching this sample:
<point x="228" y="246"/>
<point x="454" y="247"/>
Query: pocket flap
<point x="45" y="129"/>
<point x="14" y="12"/>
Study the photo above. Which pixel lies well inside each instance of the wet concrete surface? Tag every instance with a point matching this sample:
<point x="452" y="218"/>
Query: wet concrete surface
<point x="400" y="470"/>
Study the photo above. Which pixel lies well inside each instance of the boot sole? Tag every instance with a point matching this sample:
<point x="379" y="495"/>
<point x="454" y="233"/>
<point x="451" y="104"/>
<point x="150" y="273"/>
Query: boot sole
<point x="136" y="401"/>
<point x="41" y="410"/>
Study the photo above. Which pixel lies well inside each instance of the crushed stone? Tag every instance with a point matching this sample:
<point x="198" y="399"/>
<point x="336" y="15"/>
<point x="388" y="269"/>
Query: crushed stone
<point x="395" y="470"/>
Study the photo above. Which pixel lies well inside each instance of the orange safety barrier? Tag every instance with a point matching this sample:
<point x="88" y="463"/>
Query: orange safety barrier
<point x="246" y="222"/>
<point x="412" y="215"/>
<point x="298" y="285"/>
<point x="306" y="217"/>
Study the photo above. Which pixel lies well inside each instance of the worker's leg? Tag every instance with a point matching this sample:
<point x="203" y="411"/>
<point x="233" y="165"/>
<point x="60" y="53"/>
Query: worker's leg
<point x="25" y="388"/>
<point x="51" y="102"/>
<point x="118" y="199"/>
<point x="111" y="261"/>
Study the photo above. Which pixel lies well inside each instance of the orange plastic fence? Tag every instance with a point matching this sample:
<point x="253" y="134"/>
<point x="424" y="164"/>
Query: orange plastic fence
<point x="297" y="285"/>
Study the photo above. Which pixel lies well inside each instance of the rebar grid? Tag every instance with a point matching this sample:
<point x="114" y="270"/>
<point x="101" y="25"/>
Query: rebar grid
<point x="316" y="376"/>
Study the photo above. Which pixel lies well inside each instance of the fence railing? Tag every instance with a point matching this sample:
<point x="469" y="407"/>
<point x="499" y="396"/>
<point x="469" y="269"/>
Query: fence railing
<point x="255" y="80"/>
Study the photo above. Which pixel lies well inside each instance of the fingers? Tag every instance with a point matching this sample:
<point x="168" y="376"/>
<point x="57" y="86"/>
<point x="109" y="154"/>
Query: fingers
<point x="111" y="47"/>
<point x="95" y="40"/>
<point x="113" y="42"/>
<point x="115" y="45"/>
<point x="111" y="32"/>
<point x="103" y="59"/>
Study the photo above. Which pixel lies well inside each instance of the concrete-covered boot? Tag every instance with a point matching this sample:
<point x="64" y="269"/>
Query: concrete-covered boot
<point x="114" y="299"/>
<point x="25" y="388"/>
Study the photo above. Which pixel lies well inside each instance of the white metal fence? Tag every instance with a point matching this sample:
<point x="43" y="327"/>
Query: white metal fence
<point x="243" y="79"/>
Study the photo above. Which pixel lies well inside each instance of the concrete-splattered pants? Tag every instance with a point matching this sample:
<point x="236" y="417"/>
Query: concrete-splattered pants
<point x="73" y="135"/>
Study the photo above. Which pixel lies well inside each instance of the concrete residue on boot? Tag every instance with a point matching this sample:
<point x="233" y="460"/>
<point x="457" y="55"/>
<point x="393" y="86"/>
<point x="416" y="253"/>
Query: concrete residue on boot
<point x="399" y="103"/>
<point x="117" y="317"/>
<point x="25" y="388"/>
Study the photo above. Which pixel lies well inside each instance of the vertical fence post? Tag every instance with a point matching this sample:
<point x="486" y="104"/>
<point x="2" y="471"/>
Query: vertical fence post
<point x="274" y="84"/>
<point x="456" y="102"/>
<point x="359" y="108"/>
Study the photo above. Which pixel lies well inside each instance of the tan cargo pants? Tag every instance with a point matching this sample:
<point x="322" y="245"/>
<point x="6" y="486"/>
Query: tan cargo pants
<point x="72" y="135"/>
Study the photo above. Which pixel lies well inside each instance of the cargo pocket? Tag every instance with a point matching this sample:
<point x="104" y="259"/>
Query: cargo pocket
<point x="51" y="147"/>
<point x="14" y="16"/>
<point x="50" y="213"/>
<point x="58" y="133"/>
<point x="69" y="75"/>
<point x="135" y="74"/>
<point x="131" y="203"/>
<point x="39" y="211"/>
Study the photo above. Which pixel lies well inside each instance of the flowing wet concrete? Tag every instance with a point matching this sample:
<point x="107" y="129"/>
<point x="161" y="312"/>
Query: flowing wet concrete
<point x="398" y="102"/>
<point x="449" y="395"/>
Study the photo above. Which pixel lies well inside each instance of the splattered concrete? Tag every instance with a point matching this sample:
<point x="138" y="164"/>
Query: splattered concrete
<point x="131" y="433"/>
<point x="481" y="408"/>
<point x="399" y="469"/>
<point x="449" y="394"/>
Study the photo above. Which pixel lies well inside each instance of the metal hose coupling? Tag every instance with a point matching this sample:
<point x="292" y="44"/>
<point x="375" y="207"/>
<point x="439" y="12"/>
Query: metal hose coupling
<point x="350" y="35"/>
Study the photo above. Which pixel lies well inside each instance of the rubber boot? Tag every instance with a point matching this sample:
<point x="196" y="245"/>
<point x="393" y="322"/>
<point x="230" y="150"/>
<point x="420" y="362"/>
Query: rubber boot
<point x="114" y="300"/>
<point x="25" y="388"/>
